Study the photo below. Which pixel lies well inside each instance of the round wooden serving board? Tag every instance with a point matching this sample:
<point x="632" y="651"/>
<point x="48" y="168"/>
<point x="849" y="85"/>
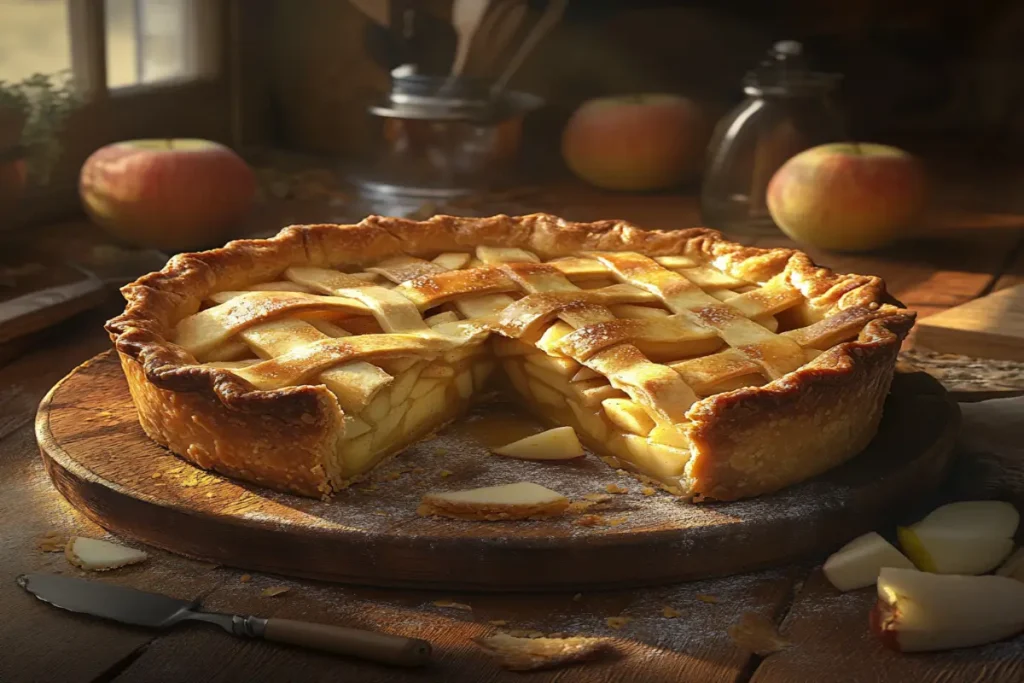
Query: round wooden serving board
<point x="102" y="462"/>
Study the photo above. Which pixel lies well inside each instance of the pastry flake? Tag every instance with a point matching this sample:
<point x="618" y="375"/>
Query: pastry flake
<point x="527" y="654"/>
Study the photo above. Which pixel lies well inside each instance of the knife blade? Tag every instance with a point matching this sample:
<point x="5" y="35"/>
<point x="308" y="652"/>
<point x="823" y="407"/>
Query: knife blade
<point x="155" y="610"/>
<point x="127" y="605"/>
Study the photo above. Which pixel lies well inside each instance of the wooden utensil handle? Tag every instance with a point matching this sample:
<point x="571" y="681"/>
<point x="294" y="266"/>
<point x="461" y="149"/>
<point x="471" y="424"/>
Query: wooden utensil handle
<point x="377" y="647"/>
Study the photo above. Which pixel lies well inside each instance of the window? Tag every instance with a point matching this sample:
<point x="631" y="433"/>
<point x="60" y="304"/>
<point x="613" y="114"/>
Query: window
<point x="146" y="41"/>
<point x="33" y="38"/>
<point x="145" y="68"/>
<point x="149" y="41"/>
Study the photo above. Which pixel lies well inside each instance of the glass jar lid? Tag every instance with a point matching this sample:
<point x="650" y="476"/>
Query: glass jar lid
<point x="784" y="73"/>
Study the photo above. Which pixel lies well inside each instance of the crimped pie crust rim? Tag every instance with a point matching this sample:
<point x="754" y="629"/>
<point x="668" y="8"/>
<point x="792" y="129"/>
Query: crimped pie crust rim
<point x="142" y="332"/>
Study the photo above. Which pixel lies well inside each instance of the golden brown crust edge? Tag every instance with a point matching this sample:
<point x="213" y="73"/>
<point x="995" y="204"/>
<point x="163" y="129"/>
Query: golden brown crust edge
<point x="157" y="301"/>
<point x="755" y="440"/>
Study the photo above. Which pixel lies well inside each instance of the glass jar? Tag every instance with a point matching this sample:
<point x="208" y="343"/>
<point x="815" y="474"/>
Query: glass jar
<point x="788" y="109"/>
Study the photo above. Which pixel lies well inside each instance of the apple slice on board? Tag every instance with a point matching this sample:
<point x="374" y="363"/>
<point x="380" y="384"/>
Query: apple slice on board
<point x="560" y="443"/>
<point x="918" y="611"/>
<point x="857" y="563"/>
<point x="970" y="537"/>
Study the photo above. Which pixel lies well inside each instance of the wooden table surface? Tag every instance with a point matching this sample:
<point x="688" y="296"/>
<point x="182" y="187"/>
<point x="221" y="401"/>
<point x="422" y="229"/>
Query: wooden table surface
<point x="976" y="253"/>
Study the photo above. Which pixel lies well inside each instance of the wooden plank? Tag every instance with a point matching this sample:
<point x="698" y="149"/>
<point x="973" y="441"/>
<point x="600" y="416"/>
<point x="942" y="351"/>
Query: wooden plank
<point x="831" y="642"/>
<point x="693" y="647"/>
<point x="989" y="327"/>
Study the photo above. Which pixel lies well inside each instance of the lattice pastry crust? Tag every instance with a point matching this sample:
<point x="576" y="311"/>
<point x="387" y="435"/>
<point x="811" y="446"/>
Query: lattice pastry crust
<point x="715" y="370"/>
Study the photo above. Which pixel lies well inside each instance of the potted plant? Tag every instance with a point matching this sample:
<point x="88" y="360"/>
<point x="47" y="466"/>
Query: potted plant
<point x="32" y="115"/>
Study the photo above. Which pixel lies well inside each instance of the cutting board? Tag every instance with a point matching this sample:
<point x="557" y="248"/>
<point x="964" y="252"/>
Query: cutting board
<point x="101" y="461"/>
<point x="989" y="327"/>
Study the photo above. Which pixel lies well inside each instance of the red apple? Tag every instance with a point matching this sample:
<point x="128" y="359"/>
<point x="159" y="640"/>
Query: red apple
<point x="847" y="196"/>
<point x="167" y="194"/>
<point x="636" y="142"/>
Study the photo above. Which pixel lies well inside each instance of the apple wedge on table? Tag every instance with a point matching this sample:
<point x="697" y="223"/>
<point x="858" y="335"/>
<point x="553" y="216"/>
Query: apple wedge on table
<point x="858" y="563"/>
<point x="919" y="611"/>
<point x="970" y="537"/>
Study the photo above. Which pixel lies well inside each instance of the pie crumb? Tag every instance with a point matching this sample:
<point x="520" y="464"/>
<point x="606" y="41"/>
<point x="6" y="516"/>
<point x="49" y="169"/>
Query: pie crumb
<point x="525" y="633"/>
<point x="591" y="520"/>
<point x="440" y="451"/>
<point x="245" y="578"/>
<point x="578" y="506"/>
<point x="577" y="597"/>
<point x="453" y="605"/>
<point x="52" y="542"/>
<point x="597" y="497"/>
<point x="526" y="654"/>
<point x="710" y="599"/>
<point x="615" y="488"/>
<point x="616" y="521"/>
<point x="758" y="634"/>
<point x="670" y="612"/>
<point x="156" y="475"/>
<point x="274" y="591"/>
<point x="617" y="622"/>
<point x="446" y="473"/>
<point x="647" y="491"/>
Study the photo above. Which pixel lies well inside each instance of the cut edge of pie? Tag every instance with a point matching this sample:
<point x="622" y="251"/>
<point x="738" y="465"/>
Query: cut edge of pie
<point x="711" y="369"/>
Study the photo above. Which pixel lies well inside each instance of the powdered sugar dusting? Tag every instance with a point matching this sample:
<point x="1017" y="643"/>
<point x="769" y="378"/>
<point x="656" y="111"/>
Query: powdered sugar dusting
<point x="457" y="458"/>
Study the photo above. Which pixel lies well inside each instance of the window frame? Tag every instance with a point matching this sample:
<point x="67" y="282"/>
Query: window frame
<point x="199" y="105"/>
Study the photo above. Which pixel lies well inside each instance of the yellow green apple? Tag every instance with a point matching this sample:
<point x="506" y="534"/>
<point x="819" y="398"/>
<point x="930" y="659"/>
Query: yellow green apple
<point x="847" y="196"/>
<point x="636" y="142"/>
<point x="167" y="194"/>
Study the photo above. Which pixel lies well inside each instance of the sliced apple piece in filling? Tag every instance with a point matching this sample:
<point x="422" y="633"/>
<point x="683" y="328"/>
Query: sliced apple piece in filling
<point x="591" y="421"/>
<point x="426" y="409"/>
<point x="669" y="435"/>
<point x="464" y="384"/>
<point x="355" y="427"/>
<point x="542" y="393"/>
<point x="378" y="408"/>
<point x="404" y="384"/>
<point x="664" y="463"/>
<point x="560" y="443"/>
<point x="628" y="416"/>
<point x="548" y="341"/>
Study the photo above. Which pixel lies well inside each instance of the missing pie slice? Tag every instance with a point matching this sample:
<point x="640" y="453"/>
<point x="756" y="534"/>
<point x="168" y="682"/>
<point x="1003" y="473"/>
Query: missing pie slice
<point x="713" y="370"/>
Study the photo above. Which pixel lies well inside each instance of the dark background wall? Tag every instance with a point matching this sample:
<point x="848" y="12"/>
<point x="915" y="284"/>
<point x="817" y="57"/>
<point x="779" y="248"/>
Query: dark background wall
<point x="939" y="72"/>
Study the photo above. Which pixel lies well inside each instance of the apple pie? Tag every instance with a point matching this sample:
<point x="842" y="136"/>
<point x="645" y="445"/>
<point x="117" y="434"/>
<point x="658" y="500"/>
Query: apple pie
<point x="710" y="369"/>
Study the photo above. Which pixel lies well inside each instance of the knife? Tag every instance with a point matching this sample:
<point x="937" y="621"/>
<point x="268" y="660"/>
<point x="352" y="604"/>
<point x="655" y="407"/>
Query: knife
<point x="154" y="610"/>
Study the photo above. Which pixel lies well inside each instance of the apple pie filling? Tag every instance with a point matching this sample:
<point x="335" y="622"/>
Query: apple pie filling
<point x="616" y="344"/>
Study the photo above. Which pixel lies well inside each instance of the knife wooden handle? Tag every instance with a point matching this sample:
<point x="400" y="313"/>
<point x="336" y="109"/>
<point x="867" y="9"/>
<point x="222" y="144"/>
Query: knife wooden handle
<point x="377" y="647"/>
